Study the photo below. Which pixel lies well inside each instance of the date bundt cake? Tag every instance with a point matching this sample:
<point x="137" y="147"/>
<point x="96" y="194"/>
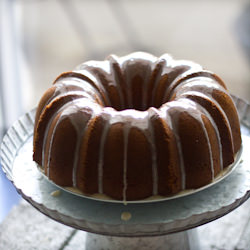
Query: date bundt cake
<point x="136" y="126"/>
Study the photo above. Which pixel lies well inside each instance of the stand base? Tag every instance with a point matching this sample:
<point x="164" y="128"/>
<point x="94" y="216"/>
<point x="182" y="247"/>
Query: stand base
<point x="186" y="240"/>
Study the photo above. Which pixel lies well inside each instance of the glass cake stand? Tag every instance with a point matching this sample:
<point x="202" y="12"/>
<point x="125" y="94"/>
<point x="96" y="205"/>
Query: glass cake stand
<point x="167" y="224"/>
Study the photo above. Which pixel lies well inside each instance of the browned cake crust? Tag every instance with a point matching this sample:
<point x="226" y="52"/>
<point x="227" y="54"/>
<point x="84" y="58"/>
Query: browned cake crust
<point x="136" y="126"/>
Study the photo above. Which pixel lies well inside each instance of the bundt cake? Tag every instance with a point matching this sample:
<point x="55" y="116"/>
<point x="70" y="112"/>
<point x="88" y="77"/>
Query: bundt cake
<point x="136" y="126"/>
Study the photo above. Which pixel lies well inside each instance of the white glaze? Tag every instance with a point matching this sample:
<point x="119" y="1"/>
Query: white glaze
<point x="168" y="119"/>
<point x="97" y="83"/>
<point x="113" y="60"/>
<point x="197" y="116"/>
<point x="101" y="157"/>
<point x="151" y="138"/>
<point x="164" y="69"/>
<point x="207" y="114"/>
<point x="126" y="131"/>
<point x="63" y="85"/>
<point x="154" y="161"/>
<point x="47" y="131"/>
<point x="65" y="112"/>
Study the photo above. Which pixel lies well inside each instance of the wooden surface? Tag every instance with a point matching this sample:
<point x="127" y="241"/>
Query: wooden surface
<point x="26" y="228"/>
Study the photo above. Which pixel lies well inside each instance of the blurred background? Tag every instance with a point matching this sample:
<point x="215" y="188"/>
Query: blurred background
<point x="39" y="39"/>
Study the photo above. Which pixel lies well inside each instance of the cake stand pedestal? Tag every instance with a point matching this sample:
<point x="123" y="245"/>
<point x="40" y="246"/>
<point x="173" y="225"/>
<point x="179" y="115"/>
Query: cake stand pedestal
<point x="164" y="225"/>
<point x="186" y="240"/>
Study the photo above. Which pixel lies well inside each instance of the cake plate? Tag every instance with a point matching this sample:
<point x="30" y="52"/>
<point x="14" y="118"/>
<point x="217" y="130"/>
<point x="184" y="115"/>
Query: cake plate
<point x="168" y="224"/>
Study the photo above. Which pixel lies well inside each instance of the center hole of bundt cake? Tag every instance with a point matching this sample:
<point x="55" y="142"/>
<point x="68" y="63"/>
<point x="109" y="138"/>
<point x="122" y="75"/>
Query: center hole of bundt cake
<point x="137" y="98"/>
<point x="137" y="105"/>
